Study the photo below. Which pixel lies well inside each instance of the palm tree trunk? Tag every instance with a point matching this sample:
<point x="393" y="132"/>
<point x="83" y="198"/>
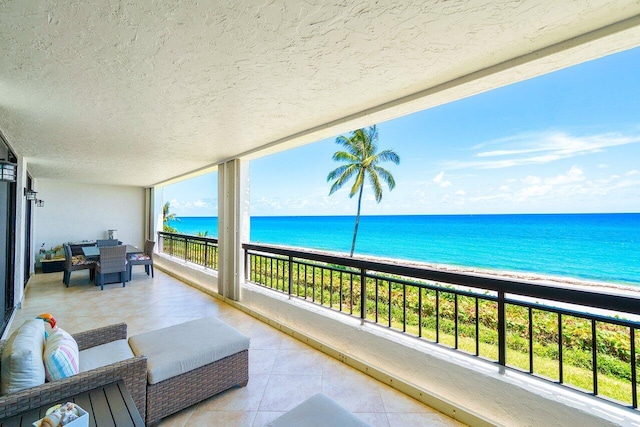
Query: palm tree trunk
<point x="355" y="230"/>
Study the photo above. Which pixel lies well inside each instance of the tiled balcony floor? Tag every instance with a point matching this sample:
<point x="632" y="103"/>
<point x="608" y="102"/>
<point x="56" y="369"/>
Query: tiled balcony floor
<point x="282" y="371"/>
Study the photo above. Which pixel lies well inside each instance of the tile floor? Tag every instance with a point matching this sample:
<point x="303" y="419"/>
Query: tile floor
<point x="282" y="371"/>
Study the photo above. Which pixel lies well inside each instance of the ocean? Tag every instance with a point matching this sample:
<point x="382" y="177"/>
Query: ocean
<point x="600" y="247"/>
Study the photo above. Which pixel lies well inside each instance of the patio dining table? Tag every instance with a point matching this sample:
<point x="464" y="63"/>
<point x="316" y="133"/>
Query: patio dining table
<point x="93" y="252"/>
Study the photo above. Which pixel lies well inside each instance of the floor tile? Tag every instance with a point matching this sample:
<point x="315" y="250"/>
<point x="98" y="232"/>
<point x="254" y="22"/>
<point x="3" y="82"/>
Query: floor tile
<point x="238" y="398"/>
<point x="221" y="419"/>
<point x="378" y="419"/>
<point x="396" y="402"/>
<point x="283" y="372"/>
<point x="264" y="417"/>
<point x="283" y="392"/>
<point x="299" y="362"/>
<point x="261" y="361"/>
<point x="420" y="420"/>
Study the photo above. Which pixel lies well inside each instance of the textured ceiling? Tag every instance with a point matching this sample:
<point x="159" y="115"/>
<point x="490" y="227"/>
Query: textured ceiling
<point x="137" y="92"/>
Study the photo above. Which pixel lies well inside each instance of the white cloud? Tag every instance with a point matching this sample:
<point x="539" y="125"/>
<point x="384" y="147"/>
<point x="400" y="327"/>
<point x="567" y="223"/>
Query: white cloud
<point x="460" y="193"/>
<point x="554" y="191"/>
<point x="439" y="179"/>
<point x="532" y="180"/>
<point x="539" y="148"/>
<point x="575" y="174"/>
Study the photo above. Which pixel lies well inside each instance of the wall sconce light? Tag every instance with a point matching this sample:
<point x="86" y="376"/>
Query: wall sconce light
<point x="40" y="203"/>
<point x="30" y="194"/>
<point x="8" y="171"/>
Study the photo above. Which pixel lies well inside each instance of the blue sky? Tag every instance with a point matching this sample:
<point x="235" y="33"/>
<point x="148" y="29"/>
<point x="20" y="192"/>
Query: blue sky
<point x="564" y="142"/>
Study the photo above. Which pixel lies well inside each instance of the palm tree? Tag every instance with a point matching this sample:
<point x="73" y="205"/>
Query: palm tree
<point x="166" y="217"/>
<point x="362" y="157"/>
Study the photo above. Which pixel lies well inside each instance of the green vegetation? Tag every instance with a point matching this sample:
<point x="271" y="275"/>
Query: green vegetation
<point x="167" y="217"/>
<point x="362" y="160"/>
<point x="432" y="314"/>
<point x="190" y="249"/>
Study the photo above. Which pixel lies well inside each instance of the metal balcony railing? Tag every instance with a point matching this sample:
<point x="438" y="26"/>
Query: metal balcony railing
<point x="198" y="250"/>
<point x="581" y="338"/>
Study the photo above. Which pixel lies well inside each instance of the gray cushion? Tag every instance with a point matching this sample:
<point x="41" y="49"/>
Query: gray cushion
<point x="182" y="348"/>
<point x="22" y="364"/>
<point x="105" y="354"/>
<point x="318" y="411"/>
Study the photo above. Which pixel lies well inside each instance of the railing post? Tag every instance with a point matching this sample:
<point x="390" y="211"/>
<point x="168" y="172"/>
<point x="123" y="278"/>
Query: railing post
<point x="206" y="254"/>
<point x="363" y="295"/>
<point x="186" y="242"/>
<point x="290" y="275"/>
<point x="247" y="267"/>
<point x="502" y="330"/>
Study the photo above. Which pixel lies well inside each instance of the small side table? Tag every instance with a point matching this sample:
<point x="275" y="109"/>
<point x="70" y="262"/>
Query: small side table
<point x="109" y="405"/>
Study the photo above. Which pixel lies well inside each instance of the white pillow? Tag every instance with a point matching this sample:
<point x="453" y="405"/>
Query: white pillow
<point x="61" y="357"/>
<point x="22" y="365"/>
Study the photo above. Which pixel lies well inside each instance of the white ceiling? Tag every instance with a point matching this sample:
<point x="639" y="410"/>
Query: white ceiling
<point x="135" y="93"/>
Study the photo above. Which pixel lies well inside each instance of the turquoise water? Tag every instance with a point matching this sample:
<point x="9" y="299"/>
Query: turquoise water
<point x="604" y="247"/>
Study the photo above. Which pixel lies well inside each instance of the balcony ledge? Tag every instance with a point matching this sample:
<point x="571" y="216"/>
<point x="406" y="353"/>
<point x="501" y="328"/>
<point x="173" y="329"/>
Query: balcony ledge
<point x="462" y="386"/>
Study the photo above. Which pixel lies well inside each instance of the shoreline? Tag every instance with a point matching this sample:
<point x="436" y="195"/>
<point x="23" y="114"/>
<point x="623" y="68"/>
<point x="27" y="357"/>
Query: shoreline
<point x="540" y="278"/>
<point x="535" y="278"/>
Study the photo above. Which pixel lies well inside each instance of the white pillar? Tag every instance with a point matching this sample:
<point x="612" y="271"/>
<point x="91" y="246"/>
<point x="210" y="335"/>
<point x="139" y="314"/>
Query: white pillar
<point x="233" y="225"/>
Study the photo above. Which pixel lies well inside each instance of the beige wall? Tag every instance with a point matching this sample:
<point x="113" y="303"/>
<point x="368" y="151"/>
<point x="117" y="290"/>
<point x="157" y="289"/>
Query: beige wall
<point x="74" y="211"/>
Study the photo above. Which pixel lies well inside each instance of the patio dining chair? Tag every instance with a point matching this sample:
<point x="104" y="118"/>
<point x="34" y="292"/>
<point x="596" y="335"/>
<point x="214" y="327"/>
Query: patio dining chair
<point x="75" y="263"/>
<point x="145" y="258"/>
<point x="113" y="259"/>
<point x="106" y="242"/>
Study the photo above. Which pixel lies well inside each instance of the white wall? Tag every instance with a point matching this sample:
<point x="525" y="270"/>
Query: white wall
<point x="197" y="276"/>
<point x="75" y="211"/>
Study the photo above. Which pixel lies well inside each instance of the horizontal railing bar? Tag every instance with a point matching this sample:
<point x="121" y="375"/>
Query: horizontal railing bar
<point x="385" y="278"/>
<point x="592" y="298"/>
<point x="538" y="306"/>
<point x="178" y="236"/>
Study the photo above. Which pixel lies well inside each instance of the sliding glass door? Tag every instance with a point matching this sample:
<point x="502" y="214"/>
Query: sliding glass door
<point x="7" y="241"/>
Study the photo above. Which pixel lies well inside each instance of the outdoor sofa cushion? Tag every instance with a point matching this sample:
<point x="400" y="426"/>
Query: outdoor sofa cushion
<point x="61" y="355"/>
<point x="181" y="348"/>
<point x="22" y="365"/>
<point x="105" y="354"/>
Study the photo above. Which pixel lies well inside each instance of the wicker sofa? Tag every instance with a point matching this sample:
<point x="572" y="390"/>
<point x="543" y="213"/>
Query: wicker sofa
<point x="133" y="371"/>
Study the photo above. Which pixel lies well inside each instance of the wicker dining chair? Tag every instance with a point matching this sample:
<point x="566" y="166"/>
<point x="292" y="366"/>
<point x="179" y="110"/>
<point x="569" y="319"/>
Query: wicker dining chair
<point x="75" y="263"/>
<point x="106" y="242"/>
<point x="145" y="258"/>
<point x="113" y="259"/>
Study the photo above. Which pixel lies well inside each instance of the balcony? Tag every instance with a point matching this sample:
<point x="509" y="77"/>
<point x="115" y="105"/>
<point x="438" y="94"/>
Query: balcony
<point x="283" y="371"/>
<point x="479" y="324"/>
<point x="98" y="131"/>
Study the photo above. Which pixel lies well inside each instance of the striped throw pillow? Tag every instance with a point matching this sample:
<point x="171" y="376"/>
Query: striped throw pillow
<point x="61" y="356"/>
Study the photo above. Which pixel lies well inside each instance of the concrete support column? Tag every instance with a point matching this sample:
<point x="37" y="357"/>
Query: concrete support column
<point x="155" y="216"/>
<point x="233" y="225"/>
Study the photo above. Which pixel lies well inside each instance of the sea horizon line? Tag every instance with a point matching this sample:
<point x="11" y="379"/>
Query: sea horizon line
<point x="433" y="215"/>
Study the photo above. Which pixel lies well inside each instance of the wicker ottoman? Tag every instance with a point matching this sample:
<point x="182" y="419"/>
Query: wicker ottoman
<point x="190" y="362"/>
<point x="318" y="411"/>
